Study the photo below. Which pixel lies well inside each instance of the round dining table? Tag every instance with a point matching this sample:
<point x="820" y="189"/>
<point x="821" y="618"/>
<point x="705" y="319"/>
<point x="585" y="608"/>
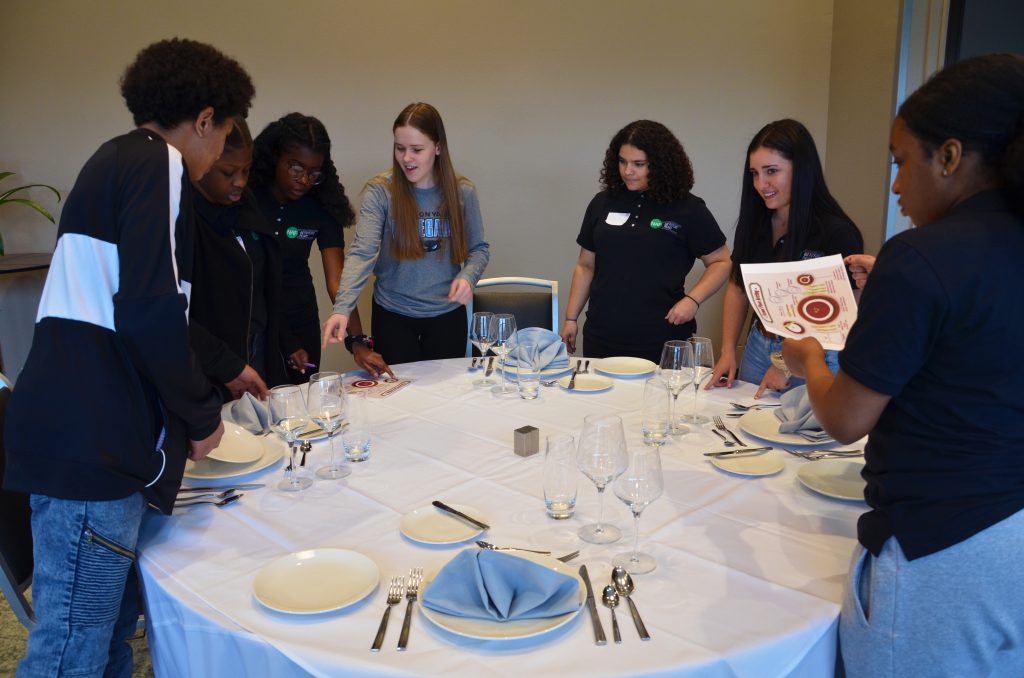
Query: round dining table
<point x="749" y="578"/>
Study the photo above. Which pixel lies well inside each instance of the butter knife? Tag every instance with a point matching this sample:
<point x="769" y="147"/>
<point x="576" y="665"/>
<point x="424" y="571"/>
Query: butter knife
<point x="572" y="379"/>
<point x="745" y="450"/>
<point x="490" y="366"/>
<point x="221" y="488"/>
<point x="599" y="637"/>
<point x="445" y="507"/>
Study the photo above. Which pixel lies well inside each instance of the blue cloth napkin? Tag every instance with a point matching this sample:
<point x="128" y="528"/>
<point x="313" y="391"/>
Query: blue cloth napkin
<point x="795" y="416"/>
<point x="248" y="412"/>
<point x="482" y="584"/>
<point x="550" y="348"/>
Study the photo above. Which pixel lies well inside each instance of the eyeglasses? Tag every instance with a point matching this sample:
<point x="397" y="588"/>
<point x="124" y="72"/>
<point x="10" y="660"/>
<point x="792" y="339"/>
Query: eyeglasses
<point x="299" y="173"/>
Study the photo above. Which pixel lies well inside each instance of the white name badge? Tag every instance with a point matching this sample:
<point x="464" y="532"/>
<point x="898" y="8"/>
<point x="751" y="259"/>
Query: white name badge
<point x="616" y="218"/>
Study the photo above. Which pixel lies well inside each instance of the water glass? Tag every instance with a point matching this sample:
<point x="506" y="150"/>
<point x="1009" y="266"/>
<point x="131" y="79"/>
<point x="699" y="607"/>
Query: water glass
<point x="356" y="438"/>
<point x="288" y="417"/>
<point x="560" y="476"/>
<point x="655" y="417"/>
<point x="527" y="370"/>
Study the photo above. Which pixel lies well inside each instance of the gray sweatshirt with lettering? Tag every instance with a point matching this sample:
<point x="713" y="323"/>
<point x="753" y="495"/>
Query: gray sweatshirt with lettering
<point x="416" y="288"/>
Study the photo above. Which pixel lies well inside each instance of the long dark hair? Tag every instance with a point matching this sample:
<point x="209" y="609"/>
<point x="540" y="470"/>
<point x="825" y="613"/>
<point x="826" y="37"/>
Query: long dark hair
<point x="979" y="102"/>
<point x="670" y="176"/>
<point x="406" y="243"/>
<point x="298" y="130"/>
<point x="809" y="203"/>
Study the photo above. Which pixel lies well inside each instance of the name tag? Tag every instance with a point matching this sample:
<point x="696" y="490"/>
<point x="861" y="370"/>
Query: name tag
<point x="616" y="218"/>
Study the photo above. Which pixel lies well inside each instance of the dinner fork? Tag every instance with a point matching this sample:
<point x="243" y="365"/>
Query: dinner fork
<point x="586" y="367"/>
<point x="223" y="502"/>
<point x="395" y="593"/>
<point x="720" y="425"/>
<point x="411" y="591"/>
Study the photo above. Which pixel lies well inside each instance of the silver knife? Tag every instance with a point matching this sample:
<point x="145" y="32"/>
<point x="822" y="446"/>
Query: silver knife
<point x="490" y="366"/>
<point x="221" y="488"/>
<point x="599" y="637"/>
<point x="572" y="379"/>
<point x="745" y="450"/>
<point x="445" y="507"/>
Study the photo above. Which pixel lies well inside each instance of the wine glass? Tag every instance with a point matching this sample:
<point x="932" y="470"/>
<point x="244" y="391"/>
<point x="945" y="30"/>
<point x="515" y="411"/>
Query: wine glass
<point x="504" y="340"/>
<point x="482" y="334"/>
<point x="655" y="416"/>
<point x="641" y="484"/>
<point x="601" y="456"/>
<point x="326" y="405"/>
<point x="702" y="364"/>
<point x="676" y="372"/>
<point x="287" y="417"/>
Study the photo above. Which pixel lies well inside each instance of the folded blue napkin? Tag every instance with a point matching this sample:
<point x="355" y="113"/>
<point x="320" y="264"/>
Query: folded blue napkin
<point x="482" y="584"/>
<point x="795" y="416"/>
<point x="551" y="350"/>
<point x="248" y="412"/>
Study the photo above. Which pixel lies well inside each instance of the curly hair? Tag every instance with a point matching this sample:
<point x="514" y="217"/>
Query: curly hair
<point x="305" y="131"/>
<point x="670" y="175"/>
<point x="174" y="80"/>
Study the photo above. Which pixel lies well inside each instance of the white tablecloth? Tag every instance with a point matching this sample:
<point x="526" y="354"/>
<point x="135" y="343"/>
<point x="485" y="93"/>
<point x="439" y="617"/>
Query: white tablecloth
<point x="749" y="578"/>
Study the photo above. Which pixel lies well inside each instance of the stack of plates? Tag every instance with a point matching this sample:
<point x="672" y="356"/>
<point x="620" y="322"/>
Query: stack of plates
<point x="239" y="453"/>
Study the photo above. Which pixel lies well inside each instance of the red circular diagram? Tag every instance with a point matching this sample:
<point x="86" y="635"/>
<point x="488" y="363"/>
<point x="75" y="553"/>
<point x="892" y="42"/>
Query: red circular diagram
<point x="805" y="279"/>
<point x="818" y="309"/>
<point x="365" y="383"/>
<point x="794" y="327"/>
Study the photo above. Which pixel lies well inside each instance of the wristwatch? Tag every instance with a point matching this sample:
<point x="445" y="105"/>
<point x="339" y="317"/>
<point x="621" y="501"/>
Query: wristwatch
<point x="778" y="362"/>
<point x="358" y="339"/>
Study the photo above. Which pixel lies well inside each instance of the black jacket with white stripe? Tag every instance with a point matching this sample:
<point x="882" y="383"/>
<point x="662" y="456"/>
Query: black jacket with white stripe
<point x="111" y="391"/>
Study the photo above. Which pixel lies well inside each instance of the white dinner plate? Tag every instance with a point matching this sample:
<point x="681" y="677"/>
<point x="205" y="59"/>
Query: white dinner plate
<point x="431" y="525"/>
<point x="625" y="366"/>
<point x="487" y="629"/>
<point x="586" y="383"/>
<point x="837" y="478"/>
<point x="764" y="425"/>
<point x="757" y="464"/>
<point x="211" y="469"/>
<point x="238" y="446"/>
<point x="318" y="580"/>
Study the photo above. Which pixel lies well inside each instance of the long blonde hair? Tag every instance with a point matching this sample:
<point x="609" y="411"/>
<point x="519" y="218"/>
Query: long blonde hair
<point x="406" y="243"/>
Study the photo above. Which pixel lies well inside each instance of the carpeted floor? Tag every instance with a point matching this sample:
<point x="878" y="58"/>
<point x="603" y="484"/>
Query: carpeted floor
<point x="12" y="645"/>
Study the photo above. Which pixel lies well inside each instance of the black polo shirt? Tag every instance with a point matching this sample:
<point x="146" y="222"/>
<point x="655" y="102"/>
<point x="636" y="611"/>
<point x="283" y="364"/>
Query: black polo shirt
<point x="643" y="253"/>
<point x="831" y="235"/>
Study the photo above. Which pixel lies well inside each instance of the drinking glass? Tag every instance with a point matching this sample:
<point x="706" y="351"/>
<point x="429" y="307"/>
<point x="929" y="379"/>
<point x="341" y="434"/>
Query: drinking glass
<point x="702" y="364"/>
<point x="641" y="484"/>
<point x="504" y="340"/>
<point x="560" y="476"/>
<point x="287" y="417"/>
<point x="325" y="402"/>
<point x="601" y="456"/>
<point x="481" y="334"/>
<point x="655" y="417"/>
<point x="676" y="371"/>
<point x="356" y="438"/>
<point x="527" y="369"/>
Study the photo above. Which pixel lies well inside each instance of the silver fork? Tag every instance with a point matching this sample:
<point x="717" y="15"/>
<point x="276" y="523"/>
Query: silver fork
<point x="411" y="591"/>
<point x="586" y="367"/>
<point x="223" y="502"/>
<point x="395" y="592"/>
<point x="720" y="425"/>
<point x="208" y="495"/>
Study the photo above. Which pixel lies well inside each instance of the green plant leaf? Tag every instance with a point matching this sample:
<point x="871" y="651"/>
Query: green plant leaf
<point x="33" y="204"/>
<point x="6" y="195"/>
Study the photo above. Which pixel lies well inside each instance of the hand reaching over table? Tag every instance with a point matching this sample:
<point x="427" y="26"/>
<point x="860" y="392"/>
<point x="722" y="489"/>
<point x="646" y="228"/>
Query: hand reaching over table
<point x="198" y="449"/>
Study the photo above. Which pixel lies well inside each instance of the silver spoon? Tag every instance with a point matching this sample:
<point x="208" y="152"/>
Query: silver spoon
<point x="488" y="545"/>
<point x="223" y="502"/>
<point x="725" y="441"/>
<point x="624" y="586"/>
<point x="610" y="598"/>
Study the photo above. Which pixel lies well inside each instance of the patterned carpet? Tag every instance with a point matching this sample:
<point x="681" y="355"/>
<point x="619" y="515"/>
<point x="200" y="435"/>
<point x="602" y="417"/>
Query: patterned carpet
<point x="12" y="645"/>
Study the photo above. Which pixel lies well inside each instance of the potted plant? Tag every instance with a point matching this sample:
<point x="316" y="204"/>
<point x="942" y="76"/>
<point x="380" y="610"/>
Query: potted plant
<point x="8" y="196"/>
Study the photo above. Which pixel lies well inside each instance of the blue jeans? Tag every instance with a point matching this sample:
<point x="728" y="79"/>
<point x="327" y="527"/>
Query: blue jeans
<point x="757" y="358"/>
<point x="84" y="587"/>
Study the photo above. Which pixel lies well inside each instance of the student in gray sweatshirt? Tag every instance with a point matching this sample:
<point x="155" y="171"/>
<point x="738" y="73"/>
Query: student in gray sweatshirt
<point x="421" y="234"/>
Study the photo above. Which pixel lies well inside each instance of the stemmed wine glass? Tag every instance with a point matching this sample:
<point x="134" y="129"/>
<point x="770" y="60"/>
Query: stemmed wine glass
<point x="504" y="340"/>
<point x="655" y="417"/>
<point x="601" y="456"/>
<point x="676" y="372"/>
<point x="482" y="334"/>
<point x="326" y="405"/>
<point x="702" y="364"/>
<point x="641" y="484"/>
<point x="287" y="417"/>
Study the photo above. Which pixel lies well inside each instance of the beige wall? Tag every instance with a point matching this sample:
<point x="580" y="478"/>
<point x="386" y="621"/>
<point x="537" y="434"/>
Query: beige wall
<point x="531" y="92"/>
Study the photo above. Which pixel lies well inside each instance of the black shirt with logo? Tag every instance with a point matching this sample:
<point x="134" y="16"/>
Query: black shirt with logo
<point x="643" y="252"/>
